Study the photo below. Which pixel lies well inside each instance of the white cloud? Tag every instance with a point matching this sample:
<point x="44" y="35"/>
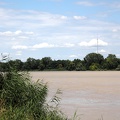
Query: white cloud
<point x="85" y="3"/>
<point x="34" y="47"/>
<point x="16" y="33"/>
<point x="93" y="43"/>
<point x="79" y="17"/>
<point x="73" y="56"/>
<point x="29" y="18"/>
<point x="116" y="30"/>
<point x="29" y="33"/>
<point x="20" y="47"/>
<point x="22" y="37"/>
<point x="64" y="17"/>
<point x="7" y="33"/>
<point x="50" y="0"/>
<point x="102" y="51"/>
<point x="68" y="45"/>
<point x="53" y="31"/>
<point x="42" y="45"/>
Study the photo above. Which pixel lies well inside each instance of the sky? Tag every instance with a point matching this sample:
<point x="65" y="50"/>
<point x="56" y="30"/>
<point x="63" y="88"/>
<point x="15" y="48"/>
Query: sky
<point x="60" y="29"/>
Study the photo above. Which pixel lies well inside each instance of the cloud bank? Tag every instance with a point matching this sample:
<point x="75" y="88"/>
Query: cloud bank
<point x="93" y="43"/>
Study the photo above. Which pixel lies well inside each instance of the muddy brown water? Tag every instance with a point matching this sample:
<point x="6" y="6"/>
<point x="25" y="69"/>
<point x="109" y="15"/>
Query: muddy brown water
<point x="91" y="94"/>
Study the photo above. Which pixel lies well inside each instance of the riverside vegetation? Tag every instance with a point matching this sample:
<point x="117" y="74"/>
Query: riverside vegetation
<point x="92" y="61"/>
<point x="21" y="99"/>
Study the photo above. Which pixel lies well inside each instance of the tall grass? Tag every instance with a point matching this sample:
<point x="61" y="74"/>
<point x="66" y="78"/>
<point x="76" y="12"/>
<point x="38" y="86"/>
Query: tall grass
<point x="20" y="99"/>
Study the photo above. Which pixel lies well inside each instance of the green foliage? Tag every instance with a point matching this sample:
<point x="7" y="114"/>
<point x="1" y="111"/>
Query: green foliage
<point x="71" y="66"/>
<point x="46" y="61"/>
<point x="21" y="99"/>
<point x="93" y="58"/>
<point x="94" y="66"/>
<point x="118" y="68"/>
<point x="31" y="64"/>
<point x="111" y="62"/>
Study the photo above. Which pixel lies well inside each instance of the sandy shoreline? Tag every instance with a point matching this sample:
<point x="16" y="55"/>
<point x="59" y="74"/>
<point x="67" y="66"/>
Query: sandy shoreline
<point x="91" y="93"/>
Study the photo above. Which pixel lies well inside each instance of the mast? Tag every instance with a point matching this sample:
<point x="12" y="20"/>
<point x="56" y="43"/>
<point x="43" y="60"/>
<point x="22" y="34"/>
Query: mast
<point x="97" y="44"/>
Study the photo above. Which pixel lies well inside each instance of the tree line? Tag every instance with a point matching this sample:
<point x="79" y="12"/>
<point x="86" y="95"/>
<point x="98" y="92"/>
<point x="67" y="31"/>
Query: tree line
<point x="92" y="61"/>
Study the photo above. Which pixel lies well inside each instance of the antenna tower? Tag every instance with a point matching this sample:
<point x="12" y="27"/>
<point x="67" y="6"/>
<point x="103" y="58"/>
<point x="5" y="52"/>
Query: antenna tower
<point x="97" y="44"/>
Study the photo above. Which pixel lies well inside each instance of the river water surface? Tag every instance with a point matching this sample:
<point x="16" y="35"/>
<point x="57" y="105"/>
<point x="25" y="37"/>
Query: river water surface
<point x="91" y="94"/>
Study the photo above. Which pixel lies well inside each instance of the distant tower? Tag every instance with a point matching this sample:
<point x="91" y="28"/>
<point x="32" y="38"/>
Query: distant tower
<point x="97" y="44"/>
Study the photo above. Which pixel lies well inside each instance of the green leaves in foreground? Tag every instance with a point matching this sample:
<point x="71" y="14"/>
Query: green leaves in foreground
<point x="22" y="100"/>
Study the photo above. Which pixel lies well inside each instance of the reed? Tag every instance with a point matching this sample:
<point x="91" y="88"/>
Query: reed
<point x="21" y="99"/>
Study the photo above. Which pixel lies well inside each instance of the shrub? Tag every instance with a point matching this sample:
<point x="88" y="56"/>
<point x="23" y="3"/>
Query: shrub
<point x="20" y="99"/>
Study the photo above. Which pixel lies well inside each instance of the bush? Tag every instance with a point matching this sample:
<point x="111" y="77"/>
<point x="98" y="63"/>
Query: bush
<point x="20" y="99"/>
<point x="118" y="68"/>
<point x="94" y="66"/>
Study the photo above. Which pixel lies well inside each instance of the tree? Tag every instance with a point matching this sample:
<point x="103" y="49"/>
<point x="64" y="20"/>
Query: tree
<point x="46" y="61"/>
<point x="41" y="66"/>
<point x="118" y="68"/>
<point x="3" y="67"/>
<point x="78" y="65"/>
<point x="71" y="66"/>
<point x="60" y="67"/>
<point x="30" y="64"/>
<point x="18" y="64"/>
<point x="77" y="61"/>
<point x="94" y="66"/>
<point x="111" y="62"/>
<point x="93" y="58"/>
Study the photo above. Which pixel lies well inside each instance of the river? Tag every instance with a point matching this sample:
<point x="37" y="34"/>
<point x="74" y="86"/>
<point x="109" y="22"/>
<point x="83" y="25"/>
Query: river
<point x="92" y="94"/>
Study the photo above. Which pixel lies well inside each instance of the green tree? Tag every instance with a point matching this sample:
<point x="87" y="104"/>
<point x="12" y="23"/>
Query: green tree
<point x="111" y="62"/>
<point x="93" y="58"/>
<point x="118" y="68"/>
<point x="94" y="66"/>
<point x="60" y="67"/>
<point x="18" y="64"/>
<point x="46" y="61"/>
<point x="3" y="66"/>
<point x="79" y="66"/>
<point x="31" y="64"/>
<point x="71" y="66"/>
<point x="77" y="61"/>
<point x="41" y="66"/>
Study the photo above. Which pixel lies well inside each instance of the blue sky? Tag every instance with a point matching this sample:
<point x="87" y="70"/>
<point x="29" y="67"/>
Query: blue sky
<point x="60" y="29"/>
